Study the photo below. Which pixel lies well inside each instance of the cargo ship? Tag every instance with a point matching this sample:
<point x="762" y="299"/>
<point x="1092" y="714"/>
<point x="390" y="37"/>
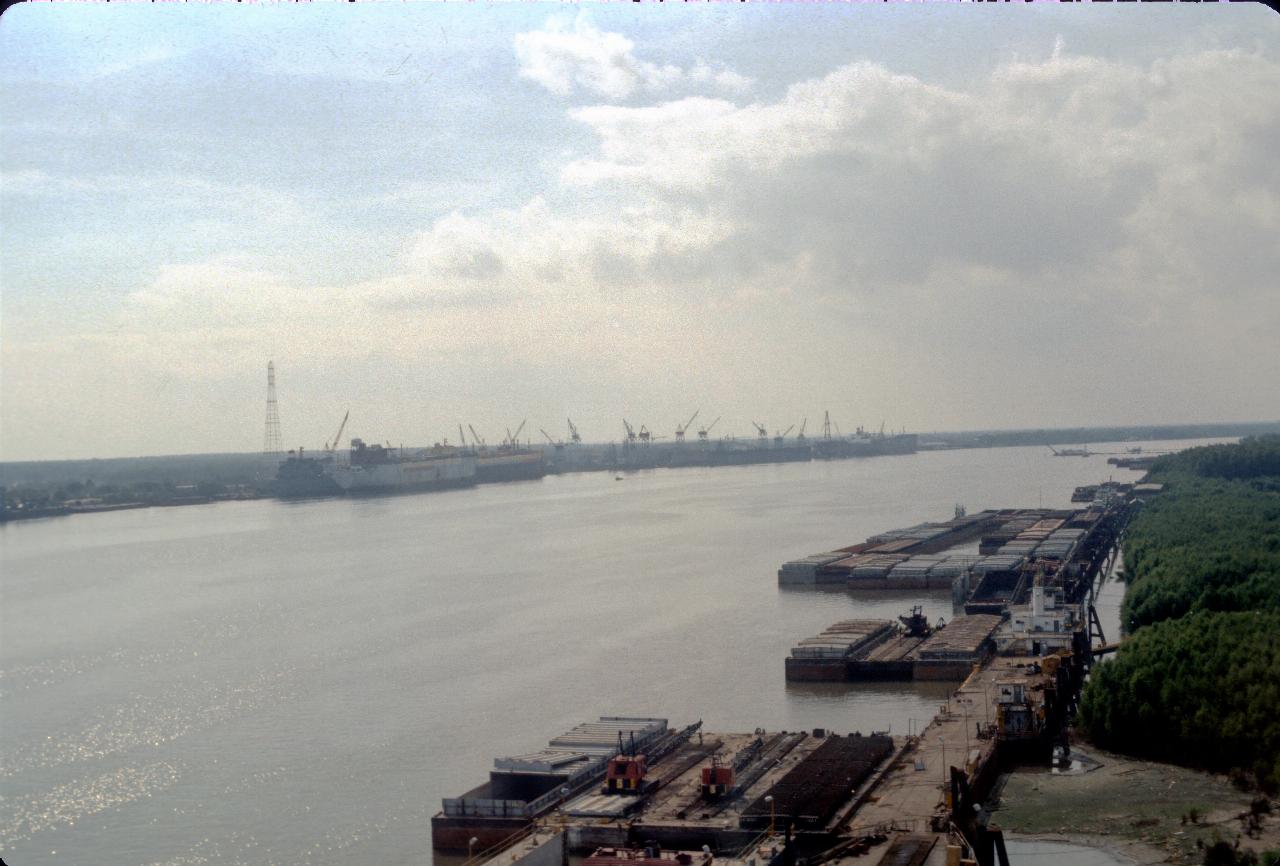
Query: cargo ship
<point x="373" y="469"/>
<point x="508" y="464"/>
<point x="864" y="444"/>
<point x="303" y="477"/>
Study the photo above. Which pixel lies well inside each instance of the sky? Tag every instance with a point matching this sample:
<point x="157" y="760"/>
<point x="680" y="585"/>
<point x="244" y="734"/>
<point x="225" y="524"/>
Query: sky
<point x="937" y="217"/>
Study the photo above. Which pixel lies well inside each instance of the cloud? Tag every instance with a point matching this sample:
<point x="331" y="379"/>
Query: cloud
<point x="871" y="176"/>
<point x="604" y="64"/>
<point x="1074" y="232"/>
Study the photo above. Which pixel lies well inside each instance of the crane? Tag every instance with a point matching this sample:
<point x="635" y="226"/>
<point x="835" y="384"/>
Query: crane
<point x="573" y="431"/>
<point x="680" y="430"/>
<point x="513" y="440"/>
<point x="631" y="433"/>
<point x="761" y="433"/>
<point x="702" y="434"/>
<point x="826" y="425"/>
<point x="337" y="436"/>
<point x="803" y="424"/>
<point x="475" y="437"/>
<point x="645" y="436"/>
<point x="461" y="438"/>
<point x="553" y="442"/>
<point x="783" y="434"/>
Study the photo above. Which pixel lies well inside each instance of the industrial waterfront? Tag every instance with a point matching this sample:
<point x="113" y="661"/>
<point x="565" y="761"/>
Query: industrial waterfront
<point x="304" y="682"/>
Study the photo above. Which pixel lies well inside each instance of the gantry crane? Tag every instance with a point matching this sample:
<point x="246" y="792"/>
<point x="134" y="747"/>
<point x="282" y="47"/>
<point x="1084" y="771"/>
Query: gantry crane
<point x="680" y="430"/>
<point x="703" y="433"/>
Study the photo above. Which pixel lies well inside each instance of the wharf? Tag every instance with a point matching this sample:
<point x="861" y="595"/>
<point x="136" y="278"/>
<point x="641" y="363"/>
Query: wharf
<point x="934" y="781"/>
<point x="828" y="797"/>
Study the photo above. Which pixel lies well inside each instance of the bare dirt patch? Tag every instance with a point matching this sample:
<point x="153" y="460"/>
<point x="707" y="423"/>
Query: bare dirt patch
<point x="1155" y="813"/>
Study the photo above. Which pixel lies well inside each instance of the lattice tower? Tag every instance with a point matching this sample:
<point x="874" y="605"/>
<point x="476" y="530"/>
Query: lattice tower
<point x="272" y="443"/>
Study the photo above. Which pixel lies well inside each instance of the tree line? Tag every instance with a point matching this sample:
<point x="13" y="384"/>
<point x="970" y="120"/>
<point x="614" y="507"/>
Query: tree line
<point x="1198" y="680"/>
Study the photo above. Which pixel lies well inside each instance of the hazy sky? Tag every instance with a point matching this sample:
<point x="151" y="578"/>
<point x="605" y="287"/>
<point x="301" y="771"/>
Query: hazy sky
<point x="944" y="217"/>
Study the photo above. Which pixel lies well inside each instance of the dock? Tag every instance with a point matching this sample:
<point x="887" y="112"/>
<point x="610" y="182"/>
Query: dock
<point x="817" y="792"/>
<point x="639" y="792"/>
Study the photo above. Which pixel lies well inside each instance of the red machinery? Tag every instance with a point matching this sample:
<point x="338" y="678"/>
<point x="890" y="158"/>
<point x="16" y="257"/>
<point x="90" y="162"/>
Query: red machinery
<point x="717" y="780"/>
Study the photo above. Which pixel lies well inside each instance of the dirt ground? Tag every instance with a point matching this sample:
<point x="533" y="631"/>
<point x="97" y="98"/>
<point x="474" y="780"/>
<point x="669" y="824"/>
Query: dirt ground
<point x="1149" y="812"/>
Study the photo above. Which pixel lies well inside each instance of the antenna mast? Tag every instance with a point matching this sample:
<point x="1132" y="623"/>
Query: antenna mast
<point x="272" y="441"/>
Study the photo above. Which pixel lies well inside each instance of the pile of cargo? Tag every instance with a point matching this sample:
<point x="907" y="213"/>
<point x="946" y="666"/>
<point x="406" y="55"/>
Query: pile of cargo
<point x="824" y="657"/>
<point x="808" y="796"/>
<point x="805" y="570"/>
<point x="951" y="652"/>
<point x="873" y="559"/>
<point x="1009" y="562"/>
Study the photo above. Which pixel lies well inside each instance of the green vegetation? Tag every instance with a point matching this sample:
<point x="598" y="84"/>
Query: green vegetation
<point x="1198" y="681"/>
<point x="1202" y="690"/>
<point x="1204" y="544"/>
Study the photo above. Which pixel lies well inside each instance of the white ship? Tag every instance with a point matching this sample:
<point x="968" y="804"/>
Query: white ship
<point x="374" y="469"/>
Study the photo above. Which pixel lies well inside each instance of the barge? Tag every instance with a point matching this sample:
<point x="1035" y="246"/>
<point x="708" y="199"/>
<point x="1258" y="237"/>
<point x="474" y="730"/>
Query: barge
<point x="878" y="650"/>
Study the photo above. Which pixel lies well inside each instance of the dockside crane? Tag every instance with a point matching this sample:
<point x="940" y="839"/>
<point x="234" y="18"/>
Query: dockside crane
<point x="800" y="435"/>
<point x="573" y="431"/>
<point x="783" y="434"/>
<point x="476" y="438"/>
<point x="645" y="436"/>
<point x="705" y="431"/>
<point x="761" y="433"/>
<point x="513" y="441"/>
<point x="631" y="433"/>
<point x="337" y="437"/>
<point x="554" y="444"/>
<point x="680" y="430"/>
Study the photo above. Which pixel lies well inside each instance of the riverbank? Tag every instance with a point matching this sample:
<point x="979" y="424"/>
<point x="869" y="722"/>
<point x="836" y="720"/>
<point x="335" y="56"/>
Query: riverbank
<point x="1146" y="811"/>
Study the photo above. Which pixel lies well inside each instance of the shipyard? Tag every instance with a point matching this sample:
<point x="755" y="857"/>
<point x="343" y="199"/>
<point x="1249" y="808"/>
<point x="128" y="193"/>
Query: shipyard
<point x="1016" y="656"/>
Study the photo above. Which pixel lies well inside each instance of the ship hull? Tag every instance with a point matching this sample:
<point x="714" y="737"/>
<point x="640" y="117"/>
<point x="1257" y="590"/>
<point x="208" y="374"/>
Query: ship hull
<point x="304" y="478"/>
<point x="871" y="446"/>
<point x="409" y="476"/>
<point x="523" y="466"/>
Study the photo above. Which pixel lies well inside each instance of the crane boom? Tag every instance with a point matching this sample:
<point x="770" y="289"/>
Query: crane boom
<point x="548" y="435"/>
<point x="573" y="431"/>
<point x="475" y="437"/>
<point x="343" y="426"/>
<point x="517" y="436"/>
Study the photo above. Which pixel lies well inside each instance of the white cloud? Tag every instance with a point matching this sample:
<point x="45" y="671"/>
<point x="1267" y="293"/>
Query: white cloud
<point x="972" y="253"/>
<point x="604" y="64"/>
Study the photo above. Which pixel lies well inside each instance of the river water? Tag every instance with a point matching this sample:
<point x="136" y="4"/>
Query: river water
<point x="288" y="683"/>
